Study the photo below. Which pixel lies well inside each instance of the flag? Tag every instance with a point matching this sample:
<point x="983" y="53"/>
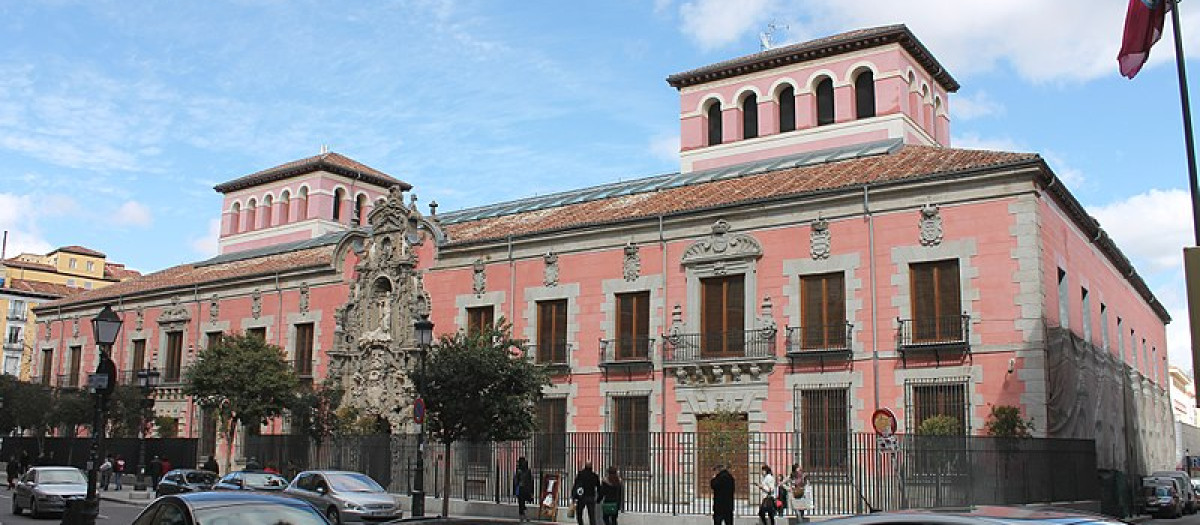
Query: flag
<point x="1143" y="27"/>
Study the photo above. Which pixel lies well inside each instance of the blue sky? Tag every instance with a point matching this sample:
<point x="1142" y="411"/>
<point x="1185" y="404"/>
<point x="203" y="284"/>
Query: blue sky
<point x="117" y="118"/>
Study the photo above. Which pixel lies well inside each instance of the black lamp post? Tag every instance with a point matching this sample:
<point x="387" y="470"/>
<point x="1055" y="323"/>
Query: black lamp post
<point x="147" y="382"/>
<point x="424" y="331"/>
<point x="105" y="327"/>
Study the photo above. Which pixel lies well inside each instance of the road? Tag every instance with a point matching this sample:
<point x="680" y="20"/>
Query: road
<point x="1193" y="519"/>
<point x="110" y="512"/>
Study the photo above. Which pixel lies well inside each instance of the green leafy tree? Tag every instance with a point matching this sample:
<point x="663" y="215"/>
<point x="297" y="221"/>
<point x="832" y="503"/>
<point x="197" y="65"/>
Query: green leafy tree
<point x="125" y="411"/>
<point x="243" y="380"/>
<point x="167" y="426"/>
<point x="70" y="410"/>
<point x="1005" y="421"/>
<point x="940" y="426"/>
<point x="315" y="411"/>
<point x="478" y="388"/>
<point x="28" y="408"/>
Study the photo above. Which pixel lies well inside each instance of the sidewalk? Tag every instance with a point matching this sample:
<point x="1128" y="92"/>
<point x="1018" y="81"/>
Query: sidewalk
<point x="128" y="496"/>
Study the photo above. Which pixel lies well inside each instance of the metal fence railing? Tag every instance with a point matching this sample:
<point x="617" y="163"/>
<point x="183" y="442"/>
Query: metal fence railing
<point x="626" y="350"/>
<point x="820" y="338"/>
<point x="736" y="344"/>
<point x="672" y="469"/>
<point x="948" y="330"/>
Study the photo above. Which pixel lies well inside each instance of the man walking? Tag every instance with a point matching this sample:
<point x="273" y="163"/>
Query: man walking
<point x="723" y="488"/>
<point x="584" y="493"/>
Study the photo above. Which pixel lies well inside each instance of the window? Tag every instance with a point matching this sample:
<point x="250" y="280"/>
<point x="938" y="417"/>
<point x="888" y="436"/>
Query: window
<point x="480" y="318"/>
<point x="302" y="206"/>
<point x="174" y="357"/>
<point x="72" y="263"/>
<point x="1086" y="314"/>
<point x="824" y="428"/>
<point x="16" y="309"/>
<point x="1145" y="357"/>
<point x="552" y="331"/>
<point x="714" y="123"/>
<point x="750" y="116"/>
<point x="1104" y="326"/>
<point x="259" y="333"/>
<point x="71" y="283"/>
<point x="552" y="432"/>
<point x="927" y="399"/>
<point x="1133" y="347"/>
<point x="47" y="366"/>
<point x="936" y="302"/>
<point x="87" y="285"/>
<point x="825" y="114"/>
<point x="212" y="339"/>
<point x="139" y="354"/>
<point x="304" y="349"/>
<point x="14" y="335"/>
<point x="251" y="215"/>
<point x="1121" y="339"/>
<point x="1064" y="310"/>
<point x="284" y="211"/>
<point x="338" y="195"/>
<point x="236" y="224"/>
<point x="76" y="357"/>
<point x="91" y="266"/>
<point x="787" y="109"/>
<point x="633" y="325"/>
<point x="631" y="426"/>
<point x="268" y="209"/>
<point x="722" y="316"/>
<point x="864" y="94"/>
<point x="360" y="209"/>
<point x="823" y="311"/>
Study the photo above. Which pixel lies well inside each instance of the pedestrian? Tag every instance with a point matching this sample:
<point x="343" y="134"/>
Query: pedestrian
<point x="766" y="509"/>
<point x="269" y="469"/>
<point x="797" y="484"/>
<point x="26" y="461"/>
<point x="119" y="470"/>
<point x="253" y="464"/>
<point x="166" y="466"/>
<point x="14" y="470"/>
<point x="523" y="486"/>
<point x="611" y="494"/>
<point x="106" y="471"/>
<point x="587" y="482"/>
<point x="156" y="472"/>
<point x="723" y="489"/>
<point x="211" y="466"/>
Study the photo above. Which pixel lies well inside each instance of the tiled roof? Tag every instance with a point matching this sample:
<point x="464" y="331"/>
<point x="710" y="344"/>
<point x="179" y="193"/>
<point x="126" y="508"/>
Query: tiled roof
<point x="119" y="272"/>
<point x="80" y="250"/>
<point x="820" y="48"/>
<point x="40" y="288"/>
<point x="331" y="162"/>
<point x="905" y="163"/>
<point x="17" y="263"/>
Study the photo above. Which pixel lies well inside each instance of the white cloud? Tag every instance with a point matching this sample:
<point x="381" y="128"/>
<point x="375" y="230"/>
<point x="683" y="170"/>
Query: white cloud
<point x="18" y="218"/>
<point x="206" y="245"/>
<point x="969" y="106"/>
<point x="133" y="213"/>
<point x="1151" y="228"/>
<point x="974" y="141"/>
<point x="665" y="147"/>
<point x="1073" y="177"/>
<point x="714" y="23"/>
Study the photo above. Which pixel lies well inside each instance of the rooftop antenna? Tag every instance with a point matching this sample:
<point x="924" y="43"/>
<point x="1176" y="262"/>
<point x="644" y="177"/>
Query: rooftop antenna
<point x="324" y="148"/>
<point x="764" y="38"/>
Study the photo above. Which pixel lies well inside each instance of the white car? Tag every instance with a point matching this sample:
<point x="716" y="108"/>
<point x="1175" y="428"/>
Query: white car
<point x="46" y="490"/>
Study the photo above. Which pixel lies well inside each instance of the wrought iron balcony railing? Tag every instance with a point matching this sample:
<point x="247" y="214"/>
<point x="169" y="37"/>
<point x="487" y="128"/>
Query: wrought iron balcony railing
<point x="69" y="381"/>
<point x="734" y="345"/>
<point x="172" y="377"/>
<point x="945" y="335"/>
<point x="830" y="338"/>
<point x="555" y="354"/>
<point x="626" y="351"/>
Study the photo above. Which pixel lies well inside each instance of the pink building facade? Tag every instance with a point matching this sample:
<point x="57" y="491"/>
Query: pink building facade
<point x="822" y="253"/>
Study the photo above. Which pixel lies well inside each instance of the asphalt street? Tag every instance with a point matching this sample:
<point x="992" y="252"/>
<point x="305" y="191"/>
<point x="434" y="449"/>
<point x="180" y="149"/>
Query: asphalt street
<point x="110" y="512"/>
<point x="1193" y="519"/>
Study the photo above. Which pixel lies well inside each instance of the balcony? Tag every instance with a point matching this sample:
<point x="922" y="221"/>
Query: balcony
<point x="720" y="357"/>
<point x="630" y="354"/>
<point x="19" y="316"/>
<point x="940" y="337"/>
<point x="172" y="378"/>
<point x="556" y="357"/>
<point x="69" y="381"/>
<point x="14" y="346"/>
<point x="821" y="343"/>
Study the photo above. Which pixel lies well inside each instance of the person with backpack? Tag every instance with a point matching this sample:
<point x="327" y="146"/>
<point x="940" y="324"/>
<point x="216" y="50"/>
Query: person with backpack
<point x="523" y="486"/>
<point x="611" y="494"/>
<point x="106" y="472"/>
<point x="723" y="488"/>
<point x="587" y="482"/>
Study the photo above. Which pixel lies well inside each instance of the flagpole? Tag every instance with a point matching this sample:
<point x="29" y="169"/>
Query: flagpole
<point x="1188" y="138"/>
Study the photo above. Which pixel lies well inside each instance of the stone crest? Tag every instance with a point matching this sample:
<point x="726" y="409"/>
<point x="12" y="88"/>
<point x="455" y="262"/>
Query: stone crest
<point x="256" y="303"/>
<point x="819" y="239"/>
<point x="140" y="320"/>
<point x="931" y="225"/>
<point x="214" y="309"/>
<point x="722" y="245"/>
<point x="479" y="278"/>
<point x="75" y="326"/>
<point x="174" y="317"/>
<point x="551" y="276"/>
<point x="633" y="263"/>
<point x="303" y="297"/>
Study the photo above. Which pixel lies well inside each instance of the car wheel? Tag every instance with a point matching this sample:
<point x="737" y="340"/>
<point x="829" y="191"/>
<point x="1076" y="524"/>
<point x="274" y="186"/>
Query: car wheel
<point x="334" y="516"/>
<point x="16" y="507"/>
<point x="33" y="510"/>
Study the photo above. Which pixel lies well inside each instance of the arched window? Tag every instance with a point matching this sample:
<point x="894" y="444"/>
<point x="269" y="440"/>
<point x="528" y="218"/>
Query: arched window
<point x="235" y="224"/>
<point x="302" y="206"/>
<point x="338" y="195"/>
<point x="268" y="212"/>
<point x="714" y="123"/>
<point x="787" y="109"/>
<point x="360" y="208"/>
<point x="750" y="116"/>
<point x="285" y="211"/>
<point x="864" y="94"/>
<point x="251" y="211"/>
<point x="825" y="101"/>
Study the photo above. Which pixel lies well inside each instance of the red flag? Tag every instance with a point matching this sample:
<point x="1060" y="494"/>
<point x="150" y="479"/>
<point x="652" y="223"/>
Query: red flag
<point x="1143" y="27"/>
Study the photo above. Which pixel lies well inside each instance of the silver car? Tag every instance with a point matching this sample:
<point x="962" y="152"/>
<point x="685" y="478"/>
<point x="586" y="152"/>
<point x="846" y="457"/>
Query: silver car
<point x="345" y="497"/>
<point x="46" y="490"/>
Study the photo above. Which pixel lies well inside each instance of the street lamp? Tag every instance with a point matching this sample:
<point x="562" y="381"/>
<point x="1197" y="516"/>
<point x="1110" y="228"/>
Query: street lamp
<point x="105" y="327"/>
<point x="424" y="332"/>
<point x="147" y="382"/>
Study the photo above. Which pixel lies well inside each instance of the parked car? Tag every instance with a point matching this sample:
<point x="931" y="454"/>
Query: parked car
<point x="183" y="480"/>
<point x="981" y="515"/>
<point x="345" y="497"/>
<point x="229" y="508"/>
<point x="1184" y="487"/>
<point x="251" y="480"/>
<point x="46" y="490"/>
<point x="1162" y="500"/>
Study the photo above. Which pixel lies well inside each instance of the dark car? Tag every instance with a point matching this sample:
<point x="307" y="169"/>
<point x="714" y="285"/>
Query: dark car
<point x="981" y="515"/>
<point x="229" y="508"/>
<point x="183" y="480"/>
<point x="1162" y="500"/>
<point x="251" y="480"/>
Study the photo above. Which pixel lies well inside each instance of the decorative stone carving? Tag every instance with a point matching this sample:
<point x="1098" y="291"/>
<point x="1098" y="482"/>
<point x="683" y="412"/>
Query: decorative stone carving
<point x="304" y="297"/>
<point x="633" y="262"/>
<point x="710" y="375"/>
<point x="479" y="277"/>
<point x="374" y="346"/>
<point x="46" y="329"/>
<point x="256" y="303"/>
<point x="819" y="240"/>
<point x="75" y="326"/>
<point x="174" y="317"/>
<point x="722" y="246"/>
<point x="766" y="317"/>
<point x="214" y="309"/>
<point x="140" y="320"/>
<point x="931" y="225"/>
<point x="551" y="277"/>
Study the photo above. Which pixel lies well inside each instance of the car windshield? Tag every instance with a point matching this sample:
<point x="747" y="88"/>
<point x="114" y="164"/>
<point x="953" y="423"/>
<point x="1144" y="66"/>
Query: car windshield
<point x="60" y="477"/>
<point x="259" y="514"/>
<point x="201" y="478"/>
<point x="1162" y="492"/>
<point x="255" y="479"/>
<point x="353" y="483"/>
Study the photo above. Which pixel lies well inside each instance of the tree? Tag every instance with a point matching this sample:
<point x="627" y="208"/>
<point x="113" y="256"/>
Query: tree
<point x="167" y="426"/>
<point x="477" y="389"/>
<point x="243" y="380"/>
<point x="28" y="406"/>
<point x="940" y="426"/>
<point x="125" y="411"/>
<point x="1005" y="421"/>
<point x="70" y="410"/>
<point x="315" y="411"/>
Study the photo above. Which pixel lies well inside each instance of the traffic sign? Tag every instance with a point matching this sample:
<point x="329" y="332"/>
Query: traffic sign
<point x="419" y="411"/>
<point x="884" y="422"/>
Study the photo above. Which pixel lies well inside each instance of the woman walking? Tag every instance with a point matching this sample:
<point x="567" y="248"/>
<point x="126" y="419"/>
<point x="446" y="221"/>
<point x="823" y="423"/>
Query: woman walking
<point x="523" y="485"/>
<point x="797" y="484"/>
<point x="611" y="494"/>
<point x="766" y="509"/>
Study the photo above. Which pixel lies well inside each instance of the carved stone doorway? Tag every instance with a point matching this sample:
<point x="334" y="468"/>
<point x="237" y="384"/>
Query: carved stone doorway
<point x="723" y="440"/>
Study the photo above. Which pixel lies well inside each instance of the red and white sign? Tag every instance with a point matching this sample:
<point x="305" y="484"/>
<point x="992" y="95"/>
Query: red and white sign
<point x="884" y="422"/>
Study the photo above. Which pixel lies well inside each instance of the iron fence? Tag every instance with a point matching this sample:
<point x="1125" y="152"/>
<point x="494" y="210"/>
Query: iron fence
<point x="908" y="472"/>
<point x="742" y="344"/>
<point x="626" y="350"/>
<point x="820" y="338"/>
<point x="947" y="330"/>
